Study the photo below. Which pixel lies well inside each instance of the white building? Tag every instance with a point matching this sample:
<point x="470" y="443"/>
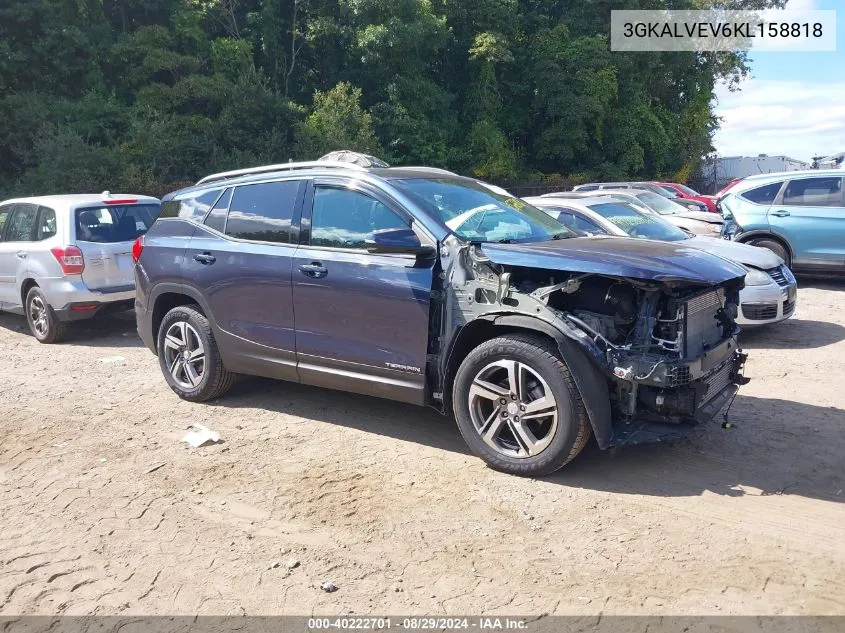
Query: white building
<point x="717" y="171"/>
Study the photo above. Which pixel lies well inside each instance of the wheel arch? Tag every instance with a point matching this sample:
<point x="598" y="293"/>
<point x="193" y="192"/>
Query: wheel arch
<point x="745" y="238"/>
<point x="168" y="297"/>
<point x="26" y="285"/>
<point x="591" y="382"/>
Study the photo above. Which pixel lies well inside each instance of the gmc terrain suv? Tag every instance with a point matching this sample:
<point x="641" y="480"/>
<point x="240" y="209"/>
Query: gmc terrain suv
<point x="426" y="287"/>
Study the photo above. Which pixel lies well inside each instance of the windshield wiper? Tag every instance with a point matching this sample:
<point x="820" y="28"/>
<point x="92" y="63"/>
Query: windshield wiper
<point x="560" y="236"/>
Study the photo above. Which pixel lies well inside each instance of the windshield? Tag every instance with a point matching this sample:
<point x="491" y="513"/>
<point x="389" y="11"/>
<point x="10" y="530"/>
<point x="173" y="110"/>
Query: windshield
<point x="659" y="204"/>
<point x="637" y="223"/>
<point x="115" y="222"/>
<point x="688" y="191"/>
<point x="476" y="214"/>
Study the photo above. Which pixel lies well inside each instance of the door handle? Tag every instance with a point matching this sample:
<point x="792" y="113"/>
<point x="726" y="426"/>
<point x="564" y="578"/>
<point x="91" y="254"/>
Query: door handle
<point x="314" y="269"/>
<point x="205" y="258"/>
<point x="21" y="254"/>
<point x="781" y="213"/>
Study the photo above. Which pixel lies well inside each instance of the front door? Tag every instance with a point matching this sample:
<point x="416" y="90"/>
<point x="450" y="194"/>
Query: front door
<point x="240" y="262"/>
<point x="17" y="230"/>
<point x="810" y="213"/>
<point x="362" y="319"/>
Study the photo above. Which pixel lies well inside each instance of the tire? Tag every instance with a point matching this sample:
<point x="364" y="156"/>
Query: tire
<point x="43" y="322"/>
<point x="189" y="357"/>
<point x="560" y="437"/>
<point x="776" y="247"/>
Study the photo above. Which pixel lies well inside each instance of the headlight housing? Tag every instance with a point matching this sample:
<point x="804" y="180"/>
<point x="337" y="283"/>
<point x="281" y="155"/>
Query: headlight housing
<point x="755" y="277"/>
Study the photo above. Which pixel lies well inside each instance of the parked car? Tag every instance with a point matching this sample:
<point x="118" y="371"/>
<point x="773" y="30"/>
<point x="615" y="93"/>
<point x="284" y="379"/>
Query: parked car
<point x="798" y="215"/>
<point x="68" y="258"/>
<point x="429" y="288"/>
<point x="698" y="222"/>
<point x="770" y="292"/>
<point x="687" y="193"/>
<point x="691" y="205"/>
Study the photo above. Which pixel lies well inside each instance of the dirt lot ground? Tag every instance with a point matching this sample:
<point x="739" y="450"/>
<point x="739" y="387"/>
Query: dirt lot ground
<point x="104" y="511"/>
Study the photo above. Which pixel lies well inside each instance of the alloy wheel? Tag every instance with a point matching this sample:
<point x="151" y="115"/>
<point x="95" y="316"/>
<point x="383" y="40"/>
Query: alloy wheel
<point x="38" y="316"/>
<point x="513" y="409"/>
<point x="184" y="355"/>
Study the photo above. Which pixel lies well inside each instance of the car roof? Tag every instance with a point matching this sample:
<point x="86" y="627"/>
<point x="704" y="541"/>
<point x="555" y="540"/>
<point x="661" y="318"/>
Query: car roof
<point x="781" y="175"/>
<point x="317" y="169"/>
<point x="73" y="200"/>
<point x="578" y="202"/>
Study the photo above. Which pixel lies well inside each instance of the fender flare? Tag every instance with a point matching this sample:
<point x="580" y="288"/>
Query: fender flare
<point x="588" y="376"/>
<point x="744" y="238"/>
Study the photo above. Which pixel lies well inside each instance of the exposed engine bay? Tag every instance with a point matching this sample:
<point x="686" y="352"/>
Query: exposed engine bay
<point x="667" y="349"/>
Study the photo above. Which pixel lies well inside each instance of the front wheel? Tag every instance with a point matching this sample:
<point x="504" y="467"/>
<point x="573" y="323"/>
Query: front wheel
<point x="776" y="247"/>
<point x="517" y="406"/>
<point x="189" y="358"/>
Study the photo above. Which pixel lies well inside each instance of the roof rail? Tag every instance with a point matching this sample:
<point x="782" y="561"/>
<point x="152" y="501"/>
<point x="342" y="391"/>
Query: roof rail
<point x="423" y="168"/>
<point x="279" y="167"/>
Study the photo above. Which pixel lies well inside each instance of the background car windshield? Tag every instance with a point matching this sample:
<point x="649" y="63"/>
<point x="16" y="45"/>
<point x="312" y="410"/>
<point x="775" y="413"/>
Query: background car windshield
<point x="475" y="213"/>
<point x="688" y="191"/>
<point x="114" y="223"/>
<point x="659" y="204"/>
<point x="638" y="224"/>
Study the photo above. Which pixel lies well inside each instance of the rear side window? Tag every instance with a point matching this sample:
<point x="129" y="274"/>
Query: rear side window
<point x="814" y="192"/>
<point x="216" y="219"/>
<point x="46" y="223"/>
<point x="588" y="187"/>
<point x="264" y="212"/>
<point x="22" y="224"/>
<point x="4" y="218"/>
<point x="763" y="195"/>
<point x="114" y="223"/>
<point x="344" y="218"/>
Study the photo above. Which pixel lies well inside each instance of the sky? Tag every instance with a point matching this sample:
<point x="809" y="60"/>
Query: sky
<point x="792" y="104"/>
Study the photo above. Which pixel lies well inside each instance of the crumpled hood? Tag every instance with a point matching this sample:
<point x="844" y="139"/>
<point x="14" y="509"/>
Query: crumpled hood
<point x="702" y="216"/>
<point x="742" y="253"/>
<point x="619" y="257"/>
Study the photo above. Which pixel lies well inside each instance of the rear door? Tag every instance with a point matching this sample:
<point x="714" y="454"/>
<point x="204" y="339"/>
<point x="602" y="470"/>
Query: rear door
<point x="810" y="213"/>
<point x="105" y="233"/>
<point x="239" y="262"/>
<point x="8" y="261"/>
<point x="362" y="319"/>
<point x="20" y="223"/>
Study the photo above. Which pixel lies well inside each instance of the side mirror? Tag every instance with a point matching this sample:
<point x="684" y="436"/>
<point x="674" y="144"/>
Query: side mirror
<point x="397" y="241"/>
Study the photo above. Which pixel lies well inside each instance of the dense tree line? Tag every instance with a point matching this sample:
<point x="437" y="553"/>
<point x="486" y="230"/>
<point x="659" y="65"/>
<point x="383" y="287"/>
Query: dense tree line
<point x="145" y="95"/>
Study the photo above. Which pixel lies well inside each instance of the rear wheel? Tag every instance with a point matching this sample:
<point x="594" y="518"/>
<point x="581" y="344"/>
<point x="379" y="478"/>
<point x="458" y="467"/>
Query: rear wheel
<point x="189" y="358"/>
<point x="776" y="247"/>
<point x="518" y="407"/>
<point x="43" y="323"/>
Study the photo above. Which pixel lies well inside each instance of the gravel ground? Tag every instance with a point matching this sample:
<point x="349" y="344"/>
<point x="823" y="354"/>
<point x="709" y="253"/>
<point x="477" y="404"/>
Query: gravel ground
<point x="105" y="511"/>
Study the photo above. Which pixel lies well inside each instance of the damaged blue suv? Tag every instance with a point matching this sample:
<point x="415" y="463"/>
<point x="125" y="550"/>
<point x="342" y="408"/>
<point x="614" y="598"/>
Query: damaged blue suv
<point x="426" y="287"/>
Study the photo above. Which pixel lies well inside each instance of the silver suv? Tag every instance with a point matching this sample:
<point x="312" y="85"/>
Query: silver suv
<point x="68" y="258"/>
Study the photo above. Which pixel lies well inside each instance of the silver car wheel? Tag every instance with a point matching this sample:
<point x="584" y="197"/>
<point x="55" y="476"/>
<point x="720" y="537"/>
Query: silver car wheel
<point x="513" y="409"/>
<point x="184" y="355"/>
<point x="38" y="315"/>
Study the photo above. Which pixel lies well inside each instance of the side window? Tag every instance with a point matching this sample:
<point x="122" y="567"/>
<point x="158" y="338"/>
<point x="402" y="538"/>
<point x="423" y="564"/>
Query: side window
<point x="263" y="212"/>
<point x="46" y="224"/>
<point x="763" y="195"/>
<point x="216" y="219"/>
<point x="585" y="225"/>
<point x="814" y="192"/>
<point x="567" y="219"/>
<point x="22" y="224"/>
<point x="4" y="217"/>
<point x="588" y="188"/>
<point x="343" y="218"/>
<point x="192" y="207"/>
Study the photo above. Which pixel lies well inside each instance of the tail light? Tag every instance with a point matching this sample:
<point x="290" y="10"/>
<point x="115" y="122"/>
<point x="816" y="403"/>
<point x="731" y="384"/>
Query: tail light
<point x="137" y="248"/>
<point x="70" y="259"/>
